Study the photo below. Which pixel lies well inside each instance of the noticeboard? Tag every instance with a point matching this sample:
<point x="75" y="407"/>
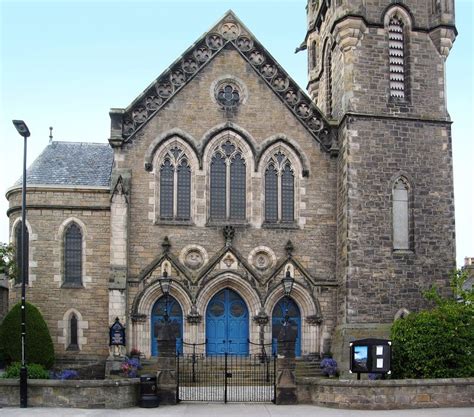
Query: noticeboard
<point x="370" y="356"/>
<point x="117" y="334"/>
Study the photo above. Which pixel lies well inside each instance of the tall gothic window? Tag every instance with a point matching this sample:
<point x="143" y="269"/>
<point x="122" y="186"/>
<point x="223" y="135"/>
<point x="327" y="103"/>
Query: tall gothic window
<point x="175" y="186"/>
<point x="73" y="331"/>
<point x="401" y="214"/>
<point x="228" y="184"/>
<point x="19" y="251"/>
<point x="396" y="44"/>
<point x="73" y="255"/>
<point x="279" y="190"/>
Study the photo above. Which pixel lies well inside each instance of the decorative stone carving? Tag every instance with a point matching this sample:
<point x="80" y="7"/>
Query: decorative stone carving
<point x="443" y="38"/>
<point x="348" y="32"/>
<point x="229" y="262"/>
<point x="214" y="41"/>
<point x="256" y="58"/>
<point x="139" y="114"/>
<point x="153" y="102"/>
<point x="230" y="30"/>
<point x="289" y="248"/>
<point x="166" y="245"/>
<point x="194" y="317"/>
<point x="190" y="66"/>
<point x="314" y="320"/>
<point x="262" y="258"/>
<point x="202" y="54"/>
<point x="164" y="90"/>
<point x="177" y="78"/>
<point x="244" y="43"/>
<point x="261" y="318"/>
<point x="193" y="257"/>
<point x="229" y="233"/>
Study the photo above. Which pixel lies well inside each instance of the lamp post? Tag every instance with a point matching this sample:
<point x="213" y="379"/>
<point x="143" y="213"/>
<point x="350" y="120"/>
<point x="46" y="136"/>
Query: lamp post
<point x="287" y="284"/>
<point x="165" y="284"/>
<point x="23" y="130"/>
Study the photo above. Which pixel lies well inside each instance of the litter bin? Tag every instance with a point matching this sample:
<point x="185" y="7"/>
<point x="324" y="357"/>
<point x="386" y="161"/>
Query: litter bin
<point x="148" y="394"/>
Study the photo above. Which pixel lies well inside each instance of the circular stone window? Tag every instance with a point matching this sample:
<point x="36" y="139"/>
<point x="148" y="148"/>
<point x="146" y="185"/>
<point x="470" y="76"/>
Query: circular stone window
<point x="228" y="95"/>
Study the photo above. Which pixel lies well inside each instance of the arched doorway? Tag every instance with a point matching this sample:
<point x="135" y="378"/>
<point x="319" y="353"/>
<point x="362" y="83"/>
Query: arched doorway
<point x="227" y="324"/>
<point x="286" y="306"/>
<point x="157" y="320"/>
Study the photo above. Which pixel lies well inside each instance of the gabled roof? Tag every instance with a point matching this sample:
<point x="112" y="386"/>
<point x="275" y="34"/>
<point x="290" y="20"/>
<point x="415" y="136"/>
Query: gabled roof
<point x="72" y="163"/>
<point x="228" y="32"/>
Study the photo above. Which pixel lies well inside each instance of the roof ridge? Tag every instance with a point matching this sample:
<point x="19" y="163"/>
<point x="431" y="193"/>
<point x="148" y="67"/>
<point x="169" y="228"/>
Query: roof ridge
<point x="79" y="142"/>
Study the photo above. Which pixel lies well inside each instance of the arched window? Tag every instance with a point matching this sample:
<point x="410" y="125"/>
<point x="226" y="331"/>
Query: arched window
<point x="279" y="190"/>
<point x="19" y="251"/>
<point x="396" y="45"/>
<point x="73" y="255"/>
<point x="175" y="186"/>
<point x="401" y="214"/>
<point x="73" y="332"/>
<point x="228" y="183"/>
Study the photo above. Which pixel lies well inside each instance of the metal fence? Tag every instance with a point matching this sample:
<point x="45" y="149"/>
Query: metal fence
<point x="226" y="377"/>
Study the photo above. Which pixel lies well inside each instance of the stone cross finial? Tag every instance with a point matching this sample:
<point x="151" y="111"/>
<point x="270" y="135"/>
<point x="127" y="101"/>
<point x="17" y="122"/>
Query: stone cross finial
<point x="229" y="233"/>
<point x="166" y="245"/>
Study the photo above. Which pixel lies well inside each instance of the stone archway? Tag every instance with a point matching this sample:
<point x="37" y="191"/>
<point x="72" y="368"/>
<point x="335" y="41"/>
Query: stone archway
<point x="242" y="288"/>
<point x="310" y="332"/>
<point x="141" y="316"/>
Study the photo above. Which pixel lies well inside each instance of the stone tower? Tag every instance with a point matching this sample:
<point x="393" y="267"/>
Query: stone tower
<point x="377" y="69"/>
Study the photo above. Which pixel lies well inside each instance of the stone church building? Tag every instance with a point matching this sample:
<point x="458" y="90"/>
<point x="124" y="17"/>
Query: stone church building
<point x="225" y="176"/>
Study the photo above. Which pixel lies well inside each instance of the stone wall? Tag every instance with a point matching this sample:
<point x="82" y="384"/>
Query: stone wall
<point x="75" y="394"/>
<point x="384" y="395"/>
<point x="50" y="210"/>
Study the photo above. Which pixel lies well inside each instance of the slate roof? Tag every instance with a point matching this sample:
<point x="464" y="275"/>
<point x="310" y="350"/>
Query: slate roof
<point x="72" y="163"/>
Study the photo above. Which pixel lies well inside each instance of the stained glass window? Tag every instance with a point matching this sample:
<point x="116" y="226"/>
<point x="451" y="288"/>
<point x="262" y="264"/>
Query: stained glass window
<point x="166" y="190"/>
<point x="184" y="191"/>
<point x="237" y="188"/>
<point x="271" y="194"/>
<point x="287" y="195"/>
<point x="218" y="187"/>
<point x="73" y="255"/>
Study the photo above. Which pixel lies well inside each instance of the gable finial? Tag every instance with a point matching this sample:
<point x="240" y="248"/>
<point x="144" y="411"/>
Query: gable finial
<point x="50" y="134"/>
<point x="289" y="248"/>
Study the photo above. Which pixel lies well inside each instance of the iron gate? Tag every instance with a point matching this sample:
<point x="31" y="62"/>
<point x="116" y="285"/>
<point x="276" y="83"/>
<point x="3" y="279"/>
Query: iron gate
<point x="227" y="377"/>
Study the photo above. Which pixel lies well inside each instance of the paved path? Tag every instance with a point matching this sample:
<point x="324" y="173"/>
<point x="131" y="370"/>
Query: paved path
<point x="234" y="410"/>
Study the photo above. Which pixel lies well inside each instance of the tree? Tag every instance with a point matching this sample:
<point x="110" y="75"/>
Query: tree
<point x="39" y="346"/>
<point x="437" y="343"/>
<point x="8" y="264"/>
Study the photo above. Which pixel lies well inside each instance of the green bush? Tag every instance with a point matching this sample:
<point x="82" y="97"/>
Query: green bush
<point x="35" y="371"/>
<point x="438" y="343"/>
<point x="39" y="346"/>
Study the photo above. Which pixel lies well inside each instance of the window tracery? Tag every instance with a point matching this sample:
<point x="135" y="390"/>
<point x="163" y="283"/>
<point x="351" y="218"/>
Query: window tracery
<point x="175" y="185"/>
<point x="228" y="183"/>
<point x="279" y="190"/>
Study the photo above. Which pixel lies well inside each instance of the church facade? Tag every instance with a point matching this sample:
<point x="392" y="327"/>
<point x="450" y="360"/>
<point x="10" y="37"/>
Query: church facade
<point x="226" y="177"/>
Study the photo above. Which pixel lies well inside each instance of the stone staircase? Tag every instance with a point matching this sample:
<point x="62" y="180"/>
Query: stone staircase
<point x="308" y="368"/>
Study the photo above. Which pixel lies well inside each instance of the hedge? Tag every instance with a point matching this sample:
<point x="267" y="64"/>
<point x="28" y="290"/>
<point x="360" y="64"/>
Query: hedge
<point x="39" y="346"/>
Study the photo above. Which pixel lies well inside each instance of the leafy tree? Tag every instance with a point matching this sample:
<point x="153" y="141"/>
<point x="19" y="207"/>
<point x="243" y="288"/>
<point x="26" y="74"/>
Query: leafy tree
<point x="8" y="264"/>
<point x="438" y="343"/>
<point x="39" y="346"/>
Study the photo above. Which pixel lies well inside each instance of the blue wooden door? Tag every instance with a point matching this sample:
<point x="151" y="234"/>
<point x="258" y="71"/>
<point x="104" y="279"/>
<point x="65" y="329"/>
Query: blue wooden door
<point x="176" y="318"/>
<point x="227" y="324"/>
<point x="286" y="306"/>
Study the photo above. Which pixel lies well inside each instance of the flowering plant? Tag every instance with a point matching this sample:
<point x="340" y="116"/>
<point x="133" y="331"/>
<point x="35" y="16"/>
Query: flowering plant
<point x="67" y="374"/>
<point x="329" y="366"/>
<point x="130" y="367"/>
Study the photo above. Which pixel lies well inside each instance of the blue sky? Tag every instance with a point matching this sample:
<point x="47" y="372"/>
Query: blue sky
<point x="66" y="63"/>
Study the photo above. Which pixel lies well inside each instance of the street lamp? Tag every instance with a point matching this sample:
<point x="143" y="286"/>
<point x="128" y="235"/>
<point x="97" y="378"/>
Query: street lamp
<point x="23" y="130"/>
<point x="165" y="285"/>
<point x="287" y="284"/>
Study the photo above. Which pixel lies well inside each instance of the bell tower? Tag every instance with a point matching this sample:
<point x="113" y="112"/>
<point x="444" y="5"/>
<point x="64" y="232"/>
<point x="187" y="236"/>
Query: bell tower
<point x="377" y="69"/>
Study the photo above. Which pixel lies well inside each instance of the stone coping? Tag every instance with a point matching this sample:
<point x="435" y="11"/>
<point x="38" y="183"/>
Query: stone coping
<point x="383" y="383"/>
<point x="75" y="383"/>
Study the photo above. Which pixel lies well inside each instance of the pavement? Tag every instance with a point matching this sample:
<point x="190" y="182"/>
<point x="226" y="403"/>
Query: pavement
<point x="234" y="410"/>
